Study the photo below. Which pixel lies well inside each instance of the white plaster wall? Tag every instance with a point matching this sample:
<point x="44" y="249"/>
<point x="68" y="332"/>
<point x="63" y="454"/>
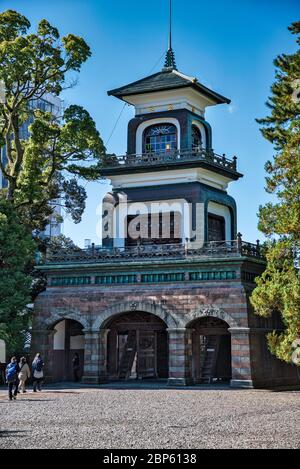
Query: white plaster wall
<point x="167" y="100"/>
<point x="2" y="351"/>
<point x="202" y="131"/>
<point x="199" y="232"/>
<point x="59" y="336"/>
<point x="176" y="176"/>
<point x="222" y="211"/>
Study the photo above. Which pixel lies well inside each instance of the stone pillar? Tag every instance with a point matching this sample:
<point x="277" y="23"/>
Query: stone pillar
<point x="91" y="357"/>
<point x="42" y="342"/>
<point x="241" y="357"/>
<point x="103" y="355"/>
<point x="180" y="357"/>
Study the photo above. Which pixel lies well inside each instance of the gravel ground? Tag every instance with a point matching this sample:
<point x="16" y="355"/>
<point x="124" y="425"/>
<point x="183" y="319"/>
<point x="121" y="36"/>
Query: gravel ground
<point x="148" y="418"/>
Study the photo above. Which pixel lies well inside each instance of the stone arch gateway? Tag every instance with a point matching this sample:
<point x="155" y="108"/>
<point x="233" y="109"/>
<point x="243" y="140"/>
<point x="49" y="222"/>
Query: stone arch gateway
<point x="137" y="346"/>
<point x="154" y="308"/>
<point x="179" y="271"/>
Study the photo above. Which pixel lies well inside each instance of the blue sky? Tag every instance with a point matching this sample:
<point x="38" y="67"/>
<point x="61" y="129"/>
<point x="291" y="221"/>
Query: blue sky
<point x="228" y="44"/>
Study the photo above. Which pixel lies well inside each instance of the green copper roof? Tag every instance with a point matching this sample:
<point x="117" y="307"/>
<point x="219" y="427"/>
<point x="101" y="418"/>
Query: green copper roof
<point x="167" y="79"/>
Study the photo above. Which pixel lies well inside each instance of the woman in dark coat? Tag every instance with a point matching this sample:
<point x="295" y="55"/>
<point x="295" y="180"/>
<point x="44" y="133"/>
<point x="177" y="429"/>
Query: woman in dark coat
<point x="75" y="363"/>
<point x="37" y="372"/>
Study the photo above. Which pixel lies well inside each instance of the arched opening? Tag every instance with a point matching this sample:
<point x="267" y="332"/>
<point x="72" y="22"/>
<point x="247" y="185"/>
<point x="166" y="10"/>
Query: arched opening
<point x="196" y="138"/>
<point x="160" y="138"/>
<point x="219" y="222"/>
<point x="216" y="227"/>
<point x="68" y="340"/>
<point x="137" y="347"/>
<point x="211" y="346"/>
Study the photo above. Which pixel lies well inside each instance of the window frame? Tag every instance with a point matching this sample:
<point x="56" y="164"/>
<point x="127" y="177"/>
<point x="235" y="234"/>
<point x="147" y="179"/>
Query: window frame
<point x="173" y="143"/>
<point x="220" y="219"/>
<point x="196" y="128"/>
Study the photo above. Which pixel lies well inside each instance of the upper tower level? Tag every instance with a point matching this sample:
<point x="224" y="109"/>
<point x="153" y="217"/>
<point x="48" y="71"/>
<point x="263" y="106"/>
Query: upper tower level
<point x="169" y="131"/>
<point x="168" y="90"/>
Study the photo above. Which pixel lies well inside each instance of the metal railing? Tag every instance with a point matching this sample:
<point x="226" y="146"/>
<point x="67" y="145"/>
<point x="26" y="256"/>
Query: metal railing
<point x="212" y="249"/>
<point x="170" y="157"/>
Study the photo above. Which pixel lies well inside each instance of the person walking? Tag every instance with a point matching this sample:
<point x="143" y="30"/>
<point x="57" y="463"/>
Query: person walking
<point x="24" y="374"/>
<point x="11" y="374"/>
<point x="37" y="372"/>
<point x="75" y="363"/>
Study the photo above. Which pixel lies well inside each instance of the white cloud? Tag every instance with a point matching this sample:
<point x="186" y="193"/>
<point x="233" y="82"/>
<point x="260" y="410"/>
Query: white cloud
<point x="231" y="108"/>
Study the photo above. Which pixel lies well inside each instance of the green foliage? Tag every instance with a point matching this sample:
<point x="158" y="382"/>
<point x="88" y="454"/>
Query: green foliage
<point x="44" y="170"/>
<point x="61" y="242"/>
<point x="16" y="253"/>
<point x="278" y="290"/>
<point x="55" y="156"/>
<point x="61" y="150"/>
<point x="53" y="244"/>
<point x="12" y="24"/>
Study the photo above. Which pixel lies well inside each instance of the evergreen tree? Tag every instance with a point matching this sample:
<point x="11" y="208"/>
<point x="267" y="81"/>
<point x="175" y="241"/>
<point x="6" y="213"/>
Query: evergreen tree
<point x="16" y="255"/>
<point x="61" y="149"/>
<point x="44" y="170"/>
<point x="278" y="289"/>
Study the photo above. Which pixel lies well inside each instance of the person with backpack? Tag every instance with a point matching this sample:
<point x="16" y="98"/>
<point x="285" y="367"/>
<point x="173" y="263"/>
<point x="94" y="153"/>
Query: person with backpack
<point x="37" y="369"/>
<point x="24" y="374"/>
<point x="11" y="374"/>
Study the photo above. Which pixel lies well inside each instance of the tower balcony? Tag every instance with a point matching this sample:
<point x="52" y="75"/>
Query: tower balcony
<point x="155" y="252"/>
<point x="171" y="159"/>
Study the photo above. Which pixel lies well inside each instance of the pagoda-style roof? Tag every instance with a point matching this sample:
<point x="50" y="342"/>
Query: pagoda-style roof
<point x="167" y="79"/>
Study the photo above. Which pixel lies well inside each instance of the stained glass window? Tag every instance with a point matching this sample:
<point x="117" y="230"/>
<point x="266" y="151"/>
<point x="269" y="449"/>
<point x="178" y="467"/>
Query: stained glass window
<point x="196" y="138"/>
<point x="160" y="138"/>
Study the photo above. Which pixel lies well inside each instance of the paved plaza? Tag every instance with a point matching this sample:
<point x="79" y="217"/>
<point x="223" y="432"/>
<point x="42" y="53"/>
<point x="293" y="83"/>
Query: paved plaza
<point x="150" y="416"/>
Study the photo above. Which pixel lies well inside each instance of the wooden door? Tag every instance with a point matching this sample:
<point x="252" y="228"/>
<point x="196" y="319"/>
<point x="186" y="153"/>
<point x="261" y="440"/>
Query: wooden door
<point x="146" y="354"/>
<point x="216" y="228"/>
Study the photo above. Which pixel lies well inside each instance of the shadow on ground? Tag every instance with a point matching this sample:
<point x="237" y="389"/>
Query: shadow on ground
<point x="12" y="433"/>
<point x="139" y="385"/>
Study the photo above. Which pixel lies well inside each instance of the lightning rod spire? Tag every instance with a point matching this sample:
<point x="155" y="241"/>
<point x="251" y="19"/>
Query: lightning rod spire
<point x="170" y="62"/>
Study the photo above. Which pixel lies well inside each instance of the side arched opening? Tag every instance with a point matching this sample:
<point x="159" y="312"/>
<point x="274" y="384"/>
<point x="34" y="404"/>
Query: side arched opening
<point x="211" y="350"/>
<point x="68" y="340"/>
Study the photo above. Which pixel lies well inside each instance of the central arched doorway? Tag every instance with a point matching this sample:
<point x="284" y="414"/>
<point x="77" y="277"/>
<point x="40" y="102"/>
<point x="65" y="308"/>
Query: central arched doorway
<point x="211" y="350"/>
<point x="137" y="347"/>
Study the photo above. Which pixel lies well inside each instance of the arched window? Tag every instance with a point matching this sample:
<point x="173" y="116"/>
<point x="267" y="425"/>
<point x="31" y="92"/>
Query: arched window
<point x="196" y="138"/>
<point x="216" y="228"/>
<point x="160" y="138"/>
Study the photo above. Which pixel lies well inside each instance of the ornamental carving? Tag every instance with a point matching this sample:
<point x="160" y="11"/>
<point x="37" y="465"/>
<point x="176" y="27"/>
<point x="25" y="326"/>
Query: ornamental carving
<point x="211" y="311"/>
<point x="133" y="306"/>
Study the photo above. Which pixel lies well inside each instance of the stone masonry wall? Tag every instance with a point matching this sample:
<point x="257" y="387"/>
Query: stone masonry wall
<point x="178" y="305"/>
